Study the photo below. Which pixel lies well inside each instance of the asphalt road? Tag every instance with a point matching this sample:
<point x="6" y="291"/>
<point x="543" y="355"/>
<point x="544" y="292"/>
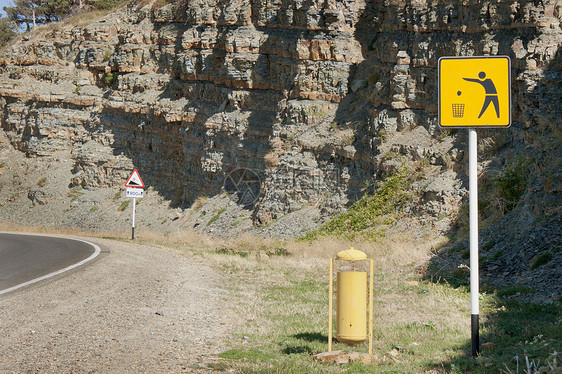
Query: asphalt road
<point x="25" y="258"/>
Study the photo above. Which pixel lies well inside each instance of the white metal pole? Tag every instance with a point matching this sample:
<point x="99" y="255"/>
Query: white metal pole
<point x="473" y="196"/>
<point x="330" y="305"/>
<point x="133" y="224"/>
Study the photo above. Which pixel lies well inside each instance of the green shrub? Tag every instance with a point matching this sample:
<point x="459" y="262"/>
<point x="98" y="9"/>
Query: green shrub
<point x="177" y="199"/>
<point x="6" y="31"/>
<point x="489" y="245"/>
<point x="540" y="260"/>
<point x="511" y="185"/>
<point x="42" y="182"/>
<point x="497" y="254"/>
<point x="107" y="55"/>
<point x="373" y="78"/>
<point x="109" y="78"/>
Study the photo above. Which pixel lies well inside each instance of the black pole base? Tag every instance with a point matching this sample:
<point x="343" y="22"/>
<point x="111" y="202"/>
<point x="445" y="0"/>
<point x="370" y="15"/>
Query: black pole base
<point x="475" y="335"/>
<point x="132" y="233"/>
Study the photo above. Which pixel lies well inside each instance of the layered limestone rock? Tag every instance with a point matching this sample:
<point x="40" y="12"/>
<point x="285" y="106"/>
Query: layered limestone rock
<point x="321" y="99"/>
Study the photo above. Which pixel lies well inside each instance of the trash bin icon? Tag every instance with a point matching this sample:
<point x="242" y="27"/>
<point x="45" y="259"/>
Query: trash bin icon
<point x="458" y="110"/>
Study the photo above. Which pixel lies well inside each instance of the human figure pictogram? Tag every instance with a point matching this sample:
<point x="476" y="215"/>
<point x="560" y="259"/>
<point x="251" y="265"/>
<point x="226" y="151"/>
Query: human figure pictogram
<point x="491" y="93"/>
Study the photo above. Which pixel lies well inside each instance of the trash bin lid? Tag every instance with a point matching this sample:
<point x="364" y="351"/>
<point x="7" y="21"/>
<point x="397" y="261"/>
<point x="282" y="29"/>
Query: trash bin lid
<point x="351" y="254"/>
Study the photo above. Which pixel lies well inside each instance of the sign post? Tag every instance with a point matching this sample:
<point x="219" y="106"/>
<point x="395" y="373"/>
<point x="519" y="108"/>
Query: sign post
<point x="133" y="220"/>
<point x="473" y="219"/>
<point x="474" y="92"/>
<point x="135" y="187"/>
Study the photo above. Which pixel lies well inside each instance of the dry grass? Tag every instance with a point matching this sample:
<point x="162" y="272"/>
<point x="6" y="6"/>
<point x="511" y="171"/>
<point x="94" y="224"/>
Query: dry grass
<point x="273" y="156"/>
<point x="198" y="203"/>
<point x="181" y="239"/>
<point x="79" y="20"/>
<point x="84" y="19"/>
<point x="68" y="231"/>
<point x="272" y="159"/>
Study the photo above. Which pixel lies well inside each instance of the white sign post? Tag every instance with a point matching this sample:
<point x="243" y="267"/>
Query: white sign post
<point x="473" y="219"/>
<point x="135" y="187"/>
<point x="474" y="92"/>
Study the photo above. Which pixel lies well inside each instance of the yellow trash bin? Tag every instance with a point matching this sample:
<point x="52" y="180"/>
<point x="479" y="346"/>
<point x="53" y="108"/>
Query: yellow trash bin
<point x="351" y="307"/>
<point x="351" y="301"/>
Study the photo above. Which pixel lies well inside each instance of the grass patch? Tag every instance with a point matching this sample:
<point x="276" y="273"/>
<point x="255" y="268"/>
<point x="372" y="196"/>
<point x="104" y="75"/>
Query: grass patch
<point x="216" y="216"/>
<point x="236" y="223"/>
<point x="42" y="182"/>
<point x="231" y="251"/>
<point x="252" y="355"/>
<point x="419" y="326"/>
<point x="367" y="218"/>
<point x="510" y="291"/>
<point x="284" y="304"/>
<point x="123" y="206"/>
<point x="517" y="329"/>
<point x="426" y="325"/>
<point x="456" y="248"/>
<point x="75" y="192"/>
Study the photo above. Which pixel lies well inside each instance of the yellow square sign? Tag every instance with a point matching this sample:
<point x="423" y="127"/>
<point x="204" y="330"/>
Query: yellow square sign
<point x="474" y="91"/>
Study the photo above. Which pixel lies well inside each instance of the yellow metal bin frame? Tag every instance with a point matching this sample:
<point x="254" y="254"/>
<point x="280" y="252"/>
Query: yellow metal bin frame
<point x="350" y="255"/>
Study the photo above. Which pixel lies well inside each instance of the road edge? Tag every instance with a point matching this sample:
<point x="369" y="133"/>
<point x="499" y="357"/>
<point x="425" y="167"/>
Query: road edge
<point x="97" y="251"/>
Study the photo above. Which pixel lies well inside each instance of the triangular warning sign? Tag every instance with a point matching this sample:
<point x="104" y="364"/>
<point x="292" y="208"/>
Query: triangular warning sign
<point x="134" y="180"/>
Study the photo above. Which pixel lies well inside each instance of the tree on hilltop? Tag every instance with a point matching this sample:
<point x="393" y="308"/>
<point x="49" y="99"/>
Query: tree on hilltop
<point x="54" y="10"/>
<point x="23" y="12"/>
<point x="6" y="31"/>
<point x="30" y="13"/>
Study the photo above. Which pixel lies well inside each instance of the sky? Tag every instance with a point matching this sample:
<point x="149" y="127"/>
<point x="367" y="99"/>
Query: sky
<point x="4" y="3"/>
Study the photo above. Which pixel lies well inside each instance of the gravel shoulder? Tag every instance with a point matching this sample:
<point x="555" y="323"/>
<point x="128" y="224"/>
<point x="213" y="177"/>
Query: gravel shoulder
<point x="134" y="309"/>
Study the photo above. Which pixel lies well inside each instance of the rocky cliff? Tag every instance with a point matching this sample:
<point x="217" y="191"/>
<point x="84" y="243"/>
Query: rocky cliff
<point x="318" y="100"/>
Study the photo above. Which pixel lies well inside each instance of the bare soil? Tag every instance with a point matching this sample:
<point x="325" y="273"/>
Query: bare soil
<point x="134" y="309"/>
